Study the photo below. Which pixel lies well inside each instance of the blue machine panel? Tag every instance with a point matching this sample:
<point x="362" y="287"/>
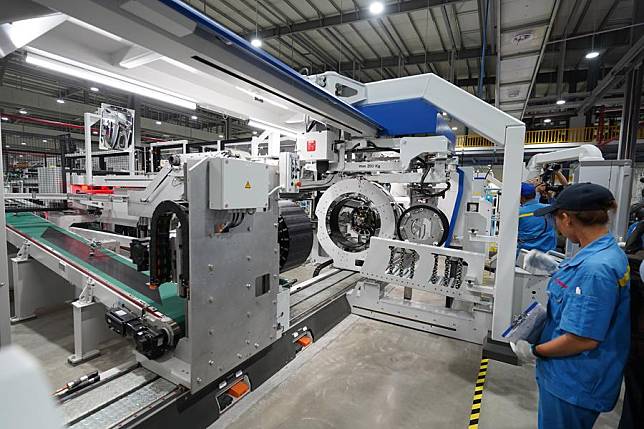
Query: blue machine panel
<point x="408" y="118"/>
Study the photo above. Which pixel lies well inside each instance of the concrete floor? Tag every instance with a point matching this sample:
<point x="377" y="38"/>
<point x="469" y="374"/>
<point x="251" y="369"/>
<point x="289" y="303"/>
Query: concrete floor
<point x="50" y="338"/>
<point x="364" y="374"/>
<point x="373" y="375"/>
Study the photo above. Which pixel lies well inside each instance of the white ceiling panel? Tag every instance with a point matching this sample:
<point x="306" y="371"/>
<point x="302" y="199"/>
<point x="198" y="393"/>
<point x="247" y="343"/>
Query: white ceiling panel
<point x="517" y="69"/>
<point x="521" y="41"/>
<point x="514" y="93"/>
<point x="517" y="13"/>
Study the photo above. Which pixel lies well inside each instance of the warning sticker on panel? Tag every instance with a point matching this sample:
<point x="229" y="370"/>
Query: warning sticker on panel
<point x="247" y="185"/>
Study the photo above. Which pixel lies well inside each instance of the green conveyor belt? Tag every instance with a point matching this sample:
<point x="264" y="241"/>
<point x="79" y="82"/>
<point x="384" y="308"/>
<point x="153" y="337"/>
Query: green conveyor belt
<point x="35" y="226"/>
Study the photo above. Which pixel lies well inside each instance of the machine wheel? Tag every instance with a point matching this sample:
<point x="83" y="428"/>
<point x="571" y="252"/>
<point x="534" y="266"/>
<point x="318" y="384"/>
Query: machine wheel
<point x="414" y="222"/>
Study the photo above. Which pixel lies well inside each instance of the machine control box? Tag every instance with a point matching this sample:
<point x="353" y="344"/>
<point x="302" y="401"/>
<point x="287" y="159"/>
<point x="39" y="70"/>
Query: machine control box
<point x="289" y="165"/>
<point x="317" y="146"/>
<point x="237" y="184"/>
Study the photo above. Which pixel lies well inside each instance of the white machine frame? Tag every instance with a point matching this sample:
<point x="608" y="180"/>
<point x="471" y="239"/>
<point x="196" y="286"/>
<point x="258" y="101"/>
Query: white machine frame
<point x="489" y="122"/>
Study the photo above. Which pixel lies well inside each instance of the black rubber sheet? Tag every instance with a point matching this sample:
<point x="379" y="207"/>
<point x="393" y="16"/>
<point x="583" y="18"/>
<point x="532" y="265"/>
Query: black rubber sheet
<point x="104" y="263"/>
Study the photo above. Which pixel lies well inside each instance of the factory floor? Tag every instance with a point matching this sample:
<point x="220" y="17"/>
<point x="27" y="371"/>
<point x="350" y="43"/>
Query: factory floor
<point x="366" y="374"/>
<point x="50" y="338"/>
<point x="362" y="374"/>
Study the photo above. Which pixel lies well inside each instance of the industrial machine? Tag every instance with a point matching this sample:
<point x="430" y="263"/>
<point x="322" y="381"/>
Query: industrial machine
<point x="413" y="238"/>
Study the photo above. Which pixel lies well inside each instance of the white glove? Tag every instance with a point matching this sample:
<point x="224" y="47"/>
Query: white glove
<point x="536" y="259"/>
<point x="523" y="350"/>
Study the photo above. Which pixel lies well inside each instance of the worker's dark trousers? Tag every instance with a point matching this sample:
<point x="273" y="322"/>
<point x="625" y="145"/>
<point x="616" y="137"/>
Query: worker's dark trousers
<point x="633" y="410"/>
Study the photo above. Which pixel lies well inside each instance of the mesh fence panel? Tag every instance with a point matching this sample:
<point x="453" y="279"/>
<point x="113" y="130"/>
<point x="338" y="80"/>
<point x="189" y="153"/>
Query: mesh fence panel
<point x="33" y="164"/>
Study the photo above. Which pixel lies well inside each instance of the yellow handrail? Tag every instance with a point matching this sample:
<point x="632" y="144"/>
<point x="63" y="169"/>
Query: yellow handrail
<point x="555" y="135"/>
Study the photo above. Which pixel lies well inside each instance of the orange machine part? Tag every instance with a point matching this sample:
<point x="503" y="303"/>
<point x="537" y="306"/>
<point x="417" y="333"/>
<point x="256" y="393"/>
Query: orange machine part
<point x="238" y="389"/>
<point x="304" y="341"/>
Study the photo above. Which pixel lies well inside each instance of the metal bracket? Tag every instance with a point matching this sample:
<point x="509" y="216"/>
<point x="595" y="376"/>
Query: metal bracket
<point x="87" y="294"/>
<point x="23" y="252"/>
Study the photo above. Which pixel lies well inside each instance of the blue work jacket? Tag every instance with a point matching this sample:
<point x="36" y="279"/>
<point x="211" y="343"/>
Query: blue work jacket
<point x="534" y="231"/>
<point x="589" y="296"/>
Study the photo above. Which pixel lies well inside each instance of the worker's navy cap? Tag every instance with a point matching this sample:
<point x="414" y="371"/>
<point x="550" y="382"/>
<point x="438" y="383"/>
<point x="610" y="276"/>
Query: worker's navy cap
<point x="580" y="197"/>
<point x="527" y="189"/>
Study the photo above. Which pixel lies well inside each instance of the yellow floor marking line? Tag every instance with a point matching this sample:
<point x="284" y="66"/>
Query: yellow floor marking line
<point x="475" y="413"/>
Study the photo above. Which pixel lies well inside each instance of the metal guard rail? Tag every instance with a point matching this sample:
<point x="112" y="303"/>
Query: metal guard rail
<point x="555" y="135"/>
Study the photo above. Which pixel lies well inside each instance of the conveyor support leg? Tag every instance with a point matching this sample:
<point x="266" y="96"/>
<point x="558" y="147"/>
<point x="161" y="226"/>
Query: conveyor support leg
<point x="35" y="287"/>
<point x="90" y="330"/>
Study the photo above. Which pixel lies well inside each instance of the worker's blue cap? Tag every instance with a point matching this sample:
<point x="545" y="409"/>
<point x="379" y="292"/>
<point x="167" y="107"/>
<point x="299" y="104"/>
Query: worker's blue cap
<point x="580" y="197"/>
<point x="527" y="189"/>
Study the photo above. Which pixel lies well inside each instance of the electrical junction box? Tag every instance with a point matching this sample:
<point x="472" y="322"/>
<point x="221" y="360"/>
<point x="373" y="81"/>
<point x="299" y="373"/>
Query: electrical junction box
<point x="237" y="184"/>
<point x="289" y="165"/>
<point x="317" y="146"/>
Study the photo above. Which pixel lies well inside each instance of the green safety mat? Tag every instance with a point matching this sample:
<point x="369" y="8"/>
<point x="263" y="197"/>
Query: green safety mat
<point x="35" y="228"/>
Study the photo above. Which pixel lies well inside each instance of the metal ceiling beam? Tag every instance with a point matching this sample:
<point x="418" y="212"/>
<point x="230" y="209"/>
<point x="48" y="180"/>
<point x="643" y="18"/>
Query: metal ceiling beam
<point x="30" y="100"/>
<point x="304" y="41"/>
<point x="350" y="17"/>
<point x="609" y="13"/>
<point x="615" y="76"/>
<point x="434" y="56"/>
<point x="422" y="42"/>
<point x="553" y="16"/>
<point x="373" y="51"/>
<point x="582" y="15"/>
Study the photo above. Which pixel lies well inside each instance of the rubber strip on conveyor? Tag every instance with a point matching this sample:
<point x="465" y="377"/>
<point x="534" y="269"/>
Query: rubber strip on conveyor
<point x="110" y="266"/>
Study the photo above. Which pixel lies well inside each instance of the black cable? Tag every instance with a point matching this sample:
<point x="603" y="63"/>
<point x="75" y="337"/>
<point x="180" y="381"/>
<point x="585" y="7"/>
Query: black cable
<point x="440" y="193"/>
<point x="322" y="266"/>
<point x="373" y="145"/>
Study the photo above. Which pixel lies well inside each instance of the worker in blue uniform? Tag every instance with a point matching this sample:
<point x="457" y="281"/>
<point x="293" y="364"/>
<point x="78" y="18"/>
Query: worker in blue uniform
<point x="534" y="231"/>
<point x="635" y="232"/>
<point x="585" y="342"/>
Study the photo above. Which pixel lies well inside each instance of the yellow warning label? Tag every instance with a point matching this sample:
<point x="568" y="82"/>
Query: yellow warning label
<point x="247" y="185"/>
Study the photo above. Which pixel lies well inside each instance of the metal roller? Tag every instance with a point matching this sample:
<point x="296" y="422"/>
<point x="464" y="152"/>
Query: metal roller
<point x="295" y="235"/>
<point x="349" y="213"/>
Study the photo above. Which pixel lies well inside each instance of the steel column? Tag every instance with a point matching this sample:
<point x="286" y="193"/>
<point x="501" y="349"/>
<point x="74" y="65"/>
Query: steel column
<point x="5" y="323"/>
<point x="631" y="114"/>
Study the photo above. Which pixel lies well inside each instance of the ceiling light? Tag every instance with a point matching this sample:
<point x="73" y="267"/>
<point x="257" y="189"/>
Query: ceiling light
<point x="454" y="128"/>
<point x="83" y="71"/>
<point x="44" y="140"/>
<point x="23" y="143"/>
<point x="93" y="89"/>
<point x="60" y="101"/>
<point x="272" y="127"/>
<point x="254" y="133"/>
<point x="547" y="121"/>
<point x="256" y="42"/>
<point x="591" y="55"/>
<point x="376" y="8"/>
<point x="221" y="136"/>
<point x="22" y="111"/>
<point x="95" y="29"/>
<point x="561" y="102"/>
<point x="4" y="118"/>
<point x="158" y="122"/>
<point x="194" y="117"/>
<point x="95" y="132"/>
